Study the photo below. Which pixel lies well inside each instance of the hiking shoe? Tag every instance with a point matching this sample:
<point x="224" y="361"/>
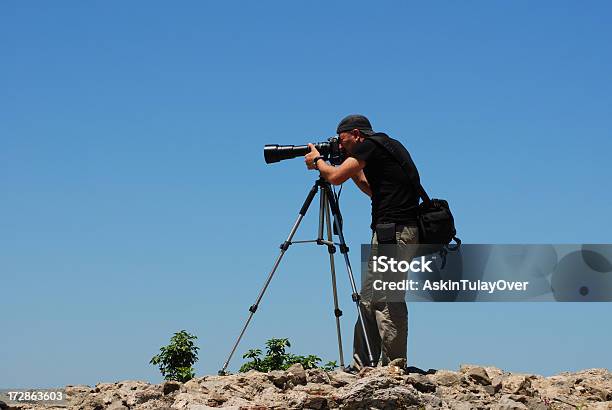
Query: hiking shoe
<point x="351" y="369"/>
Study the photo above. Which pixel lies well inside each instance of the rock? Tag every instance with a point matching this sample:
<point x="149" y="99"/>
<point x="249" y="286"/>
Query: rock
<point x="205" y="407"/>
<point x="517" y="384"/>
<point x="270" y="397"/>
<point x="3" y="405"/>
<point x="467" y="397"/>
<point x="401" y="363"/>
<point x="377" y="388"/>
<point x="496" y="383"/>
<point x="478" y="375"/>
<point x="155" y="405"/>
<point x="493" y="372"/>
<point x="461" y="406"/>
<point x="130" y="385"/>
<point x="601" y="406"/>
<point x="395" y="370"/>
<point x="77" y="389"/>
<point x="365" y="371"/>
<point x="170" y="386"/>
<point x="194" y="383"/>
<point x="117" y="405"/>
<point x="316" y="389"/>
<point x="464" y="368"/>
<point x="445" y="378"/>
<point x="338" y="378"/>
<point x="314" y="402"/>
<point x="490" y="390"/>
<point x="279" y="378"/>
<point x="253" y="381"/>
<point x="506" y="403"/>
<point x="382" y="371"/>
<point x="376" y="392"/>
<point x="420" y="383"/>
<point x="536" y="404"/>
<point x="142" y="396"/>
<point x="518" y="398"/>
<point x="110" y="396"/>
<point x="91" y="403"/>
<point x="317" y="376"/>
<point x="595" y="382"/>
<point x="185" y="400"/>
<point x="430" y="400"/>
<point x="296" y="374"/>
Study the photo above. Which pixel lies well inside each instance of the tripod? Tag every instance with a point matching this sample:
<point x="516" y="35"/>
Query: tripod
<point x="328" y="201"/>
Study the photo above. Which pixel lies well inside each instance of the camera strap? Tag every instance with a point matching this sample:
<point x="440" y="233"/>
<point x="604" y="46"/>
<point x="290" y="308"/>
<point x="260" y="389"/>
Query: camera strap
<point x="442" y="230"/>
<point x="404" y="160"/>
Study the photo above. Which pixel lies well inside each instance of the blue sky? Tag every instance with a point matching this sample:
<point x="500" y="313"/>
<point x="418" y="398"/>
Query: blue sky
<point x="136" y="201"/>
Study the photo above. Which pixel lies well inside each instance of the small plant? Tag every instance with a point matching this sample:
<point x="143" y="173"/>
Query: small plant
<point x="175" y="361"/>
<point x="275" y="354"/>
<point x="277" y="358"/>
<point x="330" y="366"/>
<point x="308" y="362"/>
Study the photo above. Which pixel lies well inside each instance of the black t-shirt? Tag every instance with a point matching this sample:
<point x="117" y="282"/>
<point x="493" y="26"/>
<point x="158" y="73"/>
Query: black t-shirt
<point x="394" y="198"/>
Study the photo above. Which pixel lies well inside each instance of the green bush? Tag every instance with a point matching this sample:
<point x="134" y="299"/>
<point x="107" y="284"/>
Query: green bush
<point x="277" y="358"/>
<point x="175" y="361"/>
<point x="330" y="366"/>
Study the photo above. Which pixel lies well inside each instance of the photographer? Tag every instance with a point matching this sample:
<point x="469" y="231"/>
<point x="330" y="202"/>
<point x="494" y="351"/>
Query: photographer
<point x="394" y="201"/>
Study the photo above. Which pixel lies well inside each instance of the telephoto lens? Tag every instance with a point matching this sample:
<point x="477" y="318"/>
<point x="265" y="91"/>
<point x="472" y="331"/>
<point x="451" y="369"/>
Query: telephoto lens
<point x="329" y="149"/>
<point x="275" y="153"/>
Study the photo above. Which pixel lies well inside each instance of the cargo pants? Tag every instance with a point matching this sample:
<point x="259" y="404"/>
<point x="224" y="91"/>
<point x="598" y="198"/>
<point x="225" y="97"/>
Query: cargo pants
<point x="386" y="322"/>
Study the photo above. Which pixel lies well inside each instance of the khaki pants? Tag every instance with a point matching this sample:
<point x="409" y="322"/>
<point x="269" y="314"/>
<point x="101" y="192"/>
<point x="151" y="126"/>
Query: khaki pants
<point x="386" y="323"/>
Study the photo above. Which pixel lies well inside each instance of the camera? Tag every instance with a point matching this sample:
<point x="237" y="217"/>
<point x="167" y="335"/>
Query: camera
<point x="329" y="149"/>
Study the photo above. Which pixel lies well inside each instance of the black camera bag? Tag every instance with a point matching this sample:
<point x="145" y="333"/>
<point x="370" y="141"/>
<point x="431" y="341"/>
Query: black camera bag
<point x="435" y="220"/>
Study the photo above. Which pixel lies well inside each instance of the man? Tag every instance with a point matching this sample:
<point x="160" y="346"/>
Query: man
<point x="394" y="200"/>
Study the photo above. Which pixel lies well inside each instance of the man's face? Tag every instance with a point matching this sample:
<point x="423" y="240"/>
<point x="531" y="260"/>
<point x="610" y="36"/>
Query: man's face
<point x="350" y="139"/>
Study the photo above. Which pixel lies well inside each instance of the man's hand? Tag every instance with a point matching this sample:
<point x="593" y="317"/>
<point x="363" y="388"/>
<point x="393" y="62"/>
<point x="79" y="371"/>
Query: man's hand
<point x="334" y="175"/>
<point x="308" y="158"/>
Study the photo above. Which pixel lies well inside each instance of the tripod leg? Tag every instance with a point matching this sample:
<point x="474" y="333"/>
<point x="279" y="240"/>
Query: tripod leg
<point x="284" y="246"/>
<point x="335" y="209"/>
<point x="322" y="204"/>
<point x="332" y="249"/>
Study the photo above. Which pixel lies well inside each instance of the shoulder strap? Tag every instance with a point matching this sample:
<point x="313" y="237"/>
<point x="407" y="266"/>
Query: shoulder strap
<point x="405" y="162"/>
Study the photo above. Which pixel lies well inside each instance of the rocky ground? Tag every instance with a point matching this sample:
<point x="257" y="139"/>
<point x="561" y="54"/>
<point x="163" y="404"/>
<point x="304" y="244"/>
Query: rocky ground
<point x="390" y="387"/>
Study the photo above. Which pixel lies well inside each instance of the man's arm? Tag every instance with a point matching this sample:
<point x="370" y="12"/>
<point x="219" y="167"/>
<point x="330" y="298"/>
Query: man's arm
<point x="361" y="182"/>
<point x="334" y="175"/>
